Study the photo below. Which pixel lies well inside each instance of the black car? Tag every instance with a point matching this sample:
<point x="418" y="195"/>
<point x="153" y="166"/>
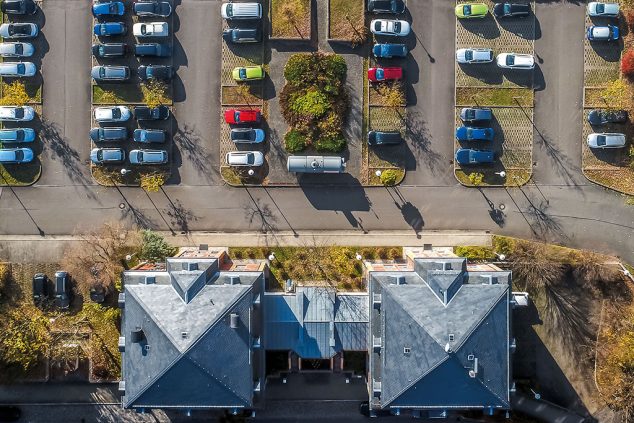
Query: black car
<point x="108" y="134"/>
<point x="109" y="50"/>
<point x="386" y="6"/>
<point x="149" y="135"/>
<point x="152" y="9"/>
<point x="155" y="113"/>
<point x="160" y="72"/>
<point x="62" y="290"/>
<point x="152" y="49"/>
<point x="511" y="10"/>
<point x="242" y="35"/>
<point x="18" y="7"/>
<point x="384" y="138"/>
<point x="599" y="117"/>
<point x="10" y="413"/>
<point x="40" y="288"/>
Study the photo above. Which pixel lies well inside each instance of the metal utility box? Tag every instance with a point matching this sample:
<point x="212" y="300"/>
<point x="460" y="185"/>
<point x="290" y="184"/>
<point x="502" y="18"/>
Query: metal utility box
<point x="316" y="164"/>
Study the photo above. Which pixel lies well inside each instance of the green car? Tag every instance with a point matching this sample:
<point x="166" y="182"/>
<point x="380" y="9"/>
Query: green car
<point x="471" y="10"/>
<point x="248" y="73"/>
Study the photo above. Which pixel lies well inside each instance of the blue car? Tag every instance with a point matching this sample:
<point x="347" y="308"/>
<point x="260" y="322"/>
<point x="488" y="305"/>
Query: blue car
<point x="110" y="8"/>
<point x="389" y="50"/>
<point x="467" y="156"/>
<point x="469" y="133"/>
<point x="603" y="33"/>
<point x="108" y="29"/>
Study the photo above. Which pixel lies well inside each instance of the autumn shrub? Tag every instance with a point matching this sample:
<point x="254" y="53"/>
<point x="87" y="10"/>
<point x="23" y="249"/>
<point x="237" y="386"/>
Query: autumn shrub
<point x="475" y="253"/>
<point x="294" y="141"/>
<point x="627" y="64"/>
<point x="390" y="177"/>
<point x="14" y="94"/>
<point x="332" y="144"/>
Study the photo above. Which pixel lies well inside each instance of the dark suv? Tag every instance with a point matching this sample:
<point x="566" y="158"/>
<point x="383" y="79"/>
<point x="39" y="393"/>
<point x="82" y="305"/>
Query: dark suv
<point x="152" y="49"/>
<point x="386" y="6"/>
<point x="147" y="113"/>
<point x="384" y="138"/>
<point x="62" y="290"/>
<point x="242" y="35"/>
<point x="40" y="287"/>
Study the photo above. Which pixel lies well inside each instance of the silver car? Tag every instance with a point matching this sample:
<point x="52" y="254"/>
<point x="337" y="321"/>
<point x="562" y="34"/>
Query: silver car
<point x="604" y="10"/>
<point x="18" y="30"/>
<point x="107" y="155"/>
<point x="245" y="158"/>
<point x="143" y="157"/>
<point x="16" y="49"/>
<point x="17" y="69"/>
<point x="112" y="114"/>
<point x="16" y="113"/>
<point x="515" y="61"/>
<point x="110" y="73"/>
<point x="606" y="140"/>
<point x="474" y="55"/>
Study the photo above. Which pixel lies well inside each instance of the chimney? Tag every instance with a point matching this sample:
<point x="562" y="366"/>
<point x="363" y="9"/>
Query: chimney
<point x="233" y="280"/>
<point x="399" y="280"/>
<point x="234" y="321"/>
<point x="149" y="280"/>
<point x="137" y="335"/>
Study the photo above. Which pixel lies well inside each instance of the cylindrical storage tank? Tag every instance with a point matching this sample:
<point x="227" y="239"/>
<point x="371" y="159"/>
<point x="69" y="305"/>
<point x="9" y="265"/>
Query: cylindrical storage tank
<point x="316" y="164"/>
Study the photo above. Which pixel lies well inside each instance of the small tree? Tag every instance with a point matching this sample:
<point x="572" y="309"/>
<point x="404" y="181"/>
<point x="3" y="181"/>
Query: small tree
<point x="152" y="182"/>
<point x="476" y="178"/>
<point x="154" y="248"/>
<point x="25" y="336"/>
<point x="154" y="93"/>
<point x="393" y="95"/>
<point x="14" y="94"/>
<point x="389" y="177"/>
<point x="627" y="64"/>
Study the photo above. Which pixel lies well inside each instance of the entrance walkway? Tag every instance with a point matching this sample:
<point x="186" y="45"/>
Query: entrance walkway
<point x="316" y="386"/>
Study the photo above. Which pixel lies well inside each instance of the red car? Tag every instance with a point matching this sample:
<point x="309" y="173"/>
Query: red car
<point x="384" y="74"/>
<point x="233" y="116"/>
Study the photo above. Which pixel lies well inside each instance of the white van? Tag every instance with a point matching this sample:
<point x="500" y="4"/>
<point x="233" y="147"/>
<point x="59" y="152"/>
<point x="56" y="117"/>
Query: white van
<point x="242" y="11"/>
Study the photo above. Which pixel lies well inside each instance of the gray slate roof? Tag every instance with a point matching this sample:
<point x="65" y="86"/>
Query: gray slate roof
<point x="441" y="337"/>
<point x="315" y="322"/>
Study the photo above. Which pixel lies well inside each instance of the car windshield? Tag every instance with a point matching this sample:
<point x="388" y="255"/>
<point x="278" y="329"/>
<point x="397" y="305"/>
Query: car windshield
<point x="19" y="155"/>
<point x="380" y="73"/>
<point x="139" y="156"/>
<point x="507" y="8"/>
<point x="99" y="155"/>
<point x="397" y="26"/>
<point x="377" y="26"/>
<point x="243" y="73"/>
<point x="250" y="158"/>
<point x="466" y="10"/>
<point x="601" y="139"/>
<point x="468" y="55"/>
<point x="21" y="69"/>
<point x="469" y="132"/>
<point x="116" y="113"/>
<point x="236" y="116"/>
<point x="600" y="8"/>
<point x="510" y="60"/>
<point x="102" y="50"/>
<point x="112" y="8"/>
<point x="21" y="29"/>
<point x="19" y="112"/>
<point x="144" y="29"/>
<point x="102" y="29"/>
<point x="155" y="113"/>
<point x="19" y="48"/>
<point x="19" y="135"/>
<point x="102" y="72"/>
<point x="229" y="9"/>
<point x="470" y="115"/>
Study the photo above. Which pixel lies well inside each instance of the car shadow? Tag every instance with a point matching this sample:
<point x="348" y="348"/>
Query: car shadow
<point x="488" y="73"/>
<point x="483" y="27"/>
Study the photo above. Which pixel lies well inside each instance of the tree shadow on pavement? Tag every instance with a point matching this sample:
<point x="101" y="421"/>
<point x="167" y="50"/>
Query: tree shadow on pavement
<point x="419" y="138"/>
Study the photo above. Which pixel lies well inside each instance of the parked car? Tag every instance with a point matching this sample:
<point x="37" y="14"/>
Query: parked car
<point x="245" y="158"/>
<point x="109" y="50"/>
<point x="247" y="135"/>
<point x="112" y="114"/>
<point x="603" y="33"/>
<point x="470" y="133"/>
<point x="511" y="10"/>
<point x="248" y="73"/>
<point x="18" y="7"/>
<point x="107" y="155"/>
<point x="234" y="117"/>
<point x="62" y="289"/>
<point x="16" y="113"/>
<point x="108" y="134"/>
<point x="599" y="117"/>
<point x="107" y="9"/>
<point x="149" y="135"/>
<point x="475" y="115"/>
<point x="385" y="74"/>
<point x="40" y="288"/>
<point x="158" y="72"/>
<point x="109" y="29"/>
<point x="148" y="157"/>
<point x="152" y="49"/>
<point x="241" y="11"/>
<point x="16" y="155"/>
<point x="606" y="140"/>
<point x="474" y="55"/>
<point x="9" y="413"/>
<point x="18" y="30"/>
<point x="17" y="69"/>
<point x="17" y="135"/>
<point x="390" y="27"/>
<point x="151" y="29"/>
<point x="242" y="35"/>
<point x="515" y="61"/>
<point x="16" y="49"/>
<point x="467" y="156"/>
<point x="152" y="9"/>
<point x="110" y="73"/>
<point x="384" y="138"/>
<point x="471" y="10"/>
<point x="389" y="50"/>
<point x="151" y="113"/>
<point x="604" y="10"/>
<point x="386" y="6"/>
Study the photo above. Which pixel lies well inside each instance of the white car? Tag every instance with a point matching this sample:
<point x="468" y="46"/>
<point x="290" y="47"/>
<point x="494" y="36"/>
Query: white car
<point x="150" y="29"/>
<point x="18" y="30"/>
<point x="16" y="49"/>
<point x="474" y="55"/>
<point x="16" y="113"/>
<point x="17" y="69"/>
<point x="604" y="10"/>
<point x="112" y="114"/>
<point x="515" y="61"/>
<point x="606" y="140"/>
<point x="390" y="27"/>
<point x="245" y="158"/>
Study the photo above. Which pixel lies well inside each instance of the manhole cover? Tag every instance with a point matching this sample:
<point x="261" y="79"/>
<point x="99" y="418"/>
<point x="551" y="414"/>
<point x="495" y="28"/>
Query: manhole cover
<point x="122" y="205"/>
<point x="502" y="206"/>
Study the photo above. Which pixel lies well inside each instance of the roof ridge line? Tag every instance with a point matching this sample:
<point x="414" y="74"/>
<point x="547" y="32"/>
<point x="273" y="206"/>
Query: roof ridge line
<point x="484" y="316"/>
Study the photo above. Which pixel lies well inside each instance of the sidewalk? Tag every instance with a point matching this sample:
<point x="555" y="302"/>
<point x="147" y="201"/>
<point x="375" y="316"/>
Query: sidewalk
<point x="49" y="249"/>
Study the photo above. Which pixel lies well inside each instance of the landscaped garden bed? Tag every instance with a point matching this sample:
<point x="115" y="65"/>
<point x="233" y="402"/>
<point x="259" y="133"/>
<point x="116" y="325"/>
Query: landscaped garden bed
<point x="149" y="178"/>
<point x="346" y="21"/>
<point x="483" y="96"/>
<point x="290" y="19"/>
<point x="314" y="102"/>
<point x="129" y="94"/>
<point x="242" y="95"/>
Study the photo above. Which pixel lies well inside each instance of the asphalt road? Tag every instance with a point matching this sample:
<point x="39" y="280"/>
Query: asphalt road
<point x="563" y="206"/>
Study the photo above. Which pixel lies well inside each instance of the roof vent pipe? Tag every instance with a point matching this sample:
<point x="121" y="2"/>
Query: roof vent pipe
<point x="234" y="321"/>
